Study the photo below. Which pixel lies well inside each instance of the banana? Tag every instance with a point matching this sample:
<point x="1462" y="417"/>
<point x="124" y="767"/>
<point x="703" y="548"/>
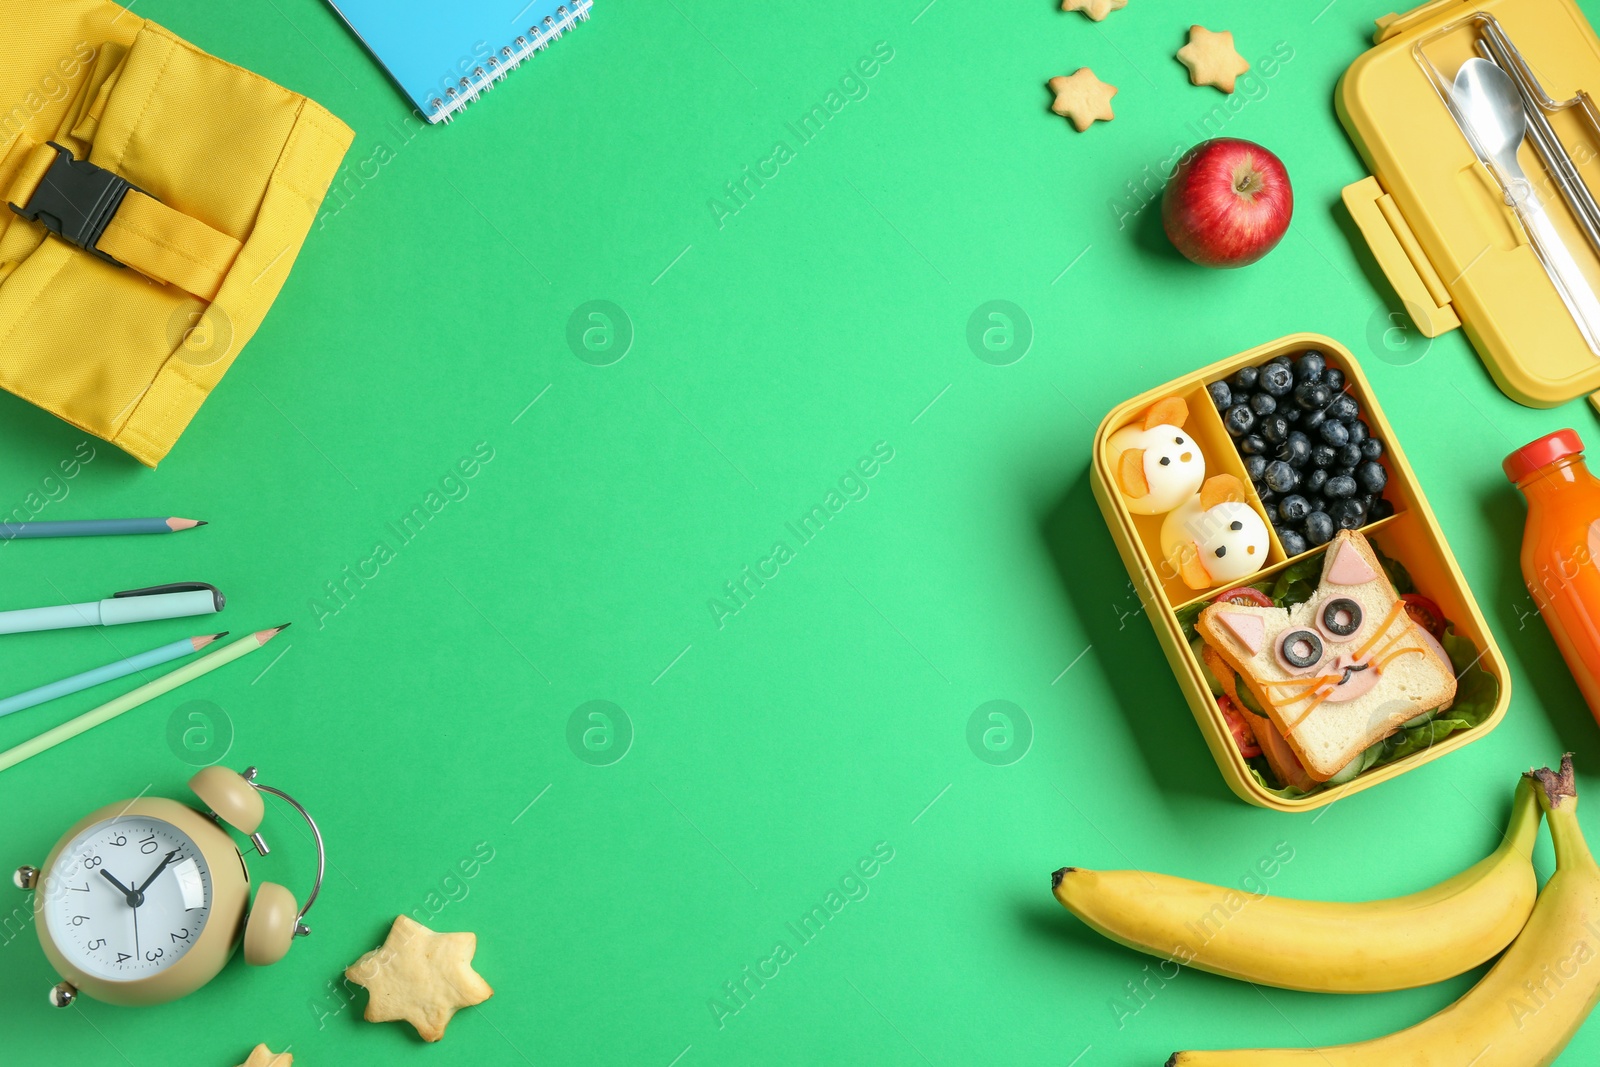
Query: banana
<point x="1321" y="946"/>
<point x="1525" y="1010"/>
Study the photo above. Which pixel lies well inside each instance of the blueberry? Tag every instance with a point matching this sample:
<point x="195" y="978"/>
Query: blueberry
<point x="1244" y="379"/>
<point x="1343" y="407"/>
<point x="1275" y="428"/>
<point x="1277" y="379"/>
<point x="1221" y="395"/>
<point x="1293" y="508"/>
<point x="1255" y="466"/>
<point x="1272" y="513"/>
<point x="1290" y="412"/>
<point x="1309" y="367"/>
<point x="1310" y="420"/>
<point x="1293" y="543"/>
<point x="1334" y="433"/>
<point x="1311" y="396"/>
<point x="1339" y="486"/>
<point x="1316" y="480"/>
<point x="1358" y="431"/>
<point x="1239" y="420"/>
<point x="1379" y="509"/>
<point x="1333" y="378"/>
<point x="1296" y="448"/>
<point x="1319" y="528"/>
<point x="1324" y="455"/>
<point x="1316" y="502"/>
<point x="1262" y="403"/>
<point x="1372" y="477"/>
<point x="1252" y="444"/>
<point x="1282" y="478"/>
<point x="1372" y="448"/>
<point x="1348" y="514"/>
<point x="1265" y="494"/>
<point x="1349" y="456"/>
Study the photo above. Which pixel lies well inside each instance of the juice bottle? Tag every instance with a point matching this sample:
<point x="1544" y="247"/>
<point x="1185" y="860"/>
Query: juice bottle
<point x="1561" y="549"/>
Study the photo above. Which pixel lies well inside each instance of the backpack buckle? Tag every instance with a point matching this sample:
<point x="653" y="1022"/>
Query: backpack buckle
<point x="76" y="201"/>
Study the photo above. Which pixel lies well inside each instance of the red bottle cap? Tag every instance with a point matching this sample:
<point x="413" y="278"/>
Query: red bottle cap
<point x="1541" y="453"/>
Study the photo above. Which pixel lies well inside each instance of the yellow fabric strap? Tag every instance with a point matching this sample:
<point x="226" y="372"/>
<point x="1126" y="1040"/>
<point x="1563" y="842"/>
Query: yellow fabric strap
<point x="158" y="242"/>
<point x="169" y="246"/>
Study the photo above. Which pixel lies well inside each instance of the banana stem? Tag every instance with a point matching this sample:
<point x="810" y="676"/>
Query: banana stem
<point x="1523" y="829"/>
<point x="1572" y="851"/>
<point x="1558" y="796"/>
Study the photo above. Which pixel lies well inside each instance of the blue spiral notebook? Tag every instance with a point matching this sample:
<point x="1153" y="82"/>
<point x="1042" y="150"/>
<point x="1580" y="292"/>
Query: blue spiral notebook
<point x="447" y="53"/>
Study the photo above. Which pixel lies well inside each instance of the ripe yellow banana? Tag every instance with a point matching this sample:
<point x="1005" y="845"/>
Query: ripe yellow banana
<point x="1321" y="946"/>
<point x="1525" y="1010"/>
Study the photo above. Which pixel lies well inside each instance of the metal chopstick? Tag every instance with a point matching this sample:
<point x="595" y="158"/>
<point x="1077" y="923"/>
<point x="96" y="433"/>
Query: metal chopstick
<point x="1498" y="49"/>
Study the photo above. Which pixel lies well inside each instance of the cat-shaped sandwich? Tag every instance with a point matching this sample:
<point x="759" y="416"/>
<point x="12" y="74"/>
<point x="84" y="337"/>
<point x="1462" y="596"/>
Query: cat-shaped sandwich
<point x="1340" y="671"/>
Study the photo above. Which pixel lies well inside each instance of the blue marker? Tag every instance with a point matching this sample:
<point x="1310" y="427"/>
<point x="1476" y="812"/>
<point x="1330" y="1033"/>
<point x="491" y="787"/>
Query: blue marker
<point x="136" y="605"/>
<point x="109" y="673"/>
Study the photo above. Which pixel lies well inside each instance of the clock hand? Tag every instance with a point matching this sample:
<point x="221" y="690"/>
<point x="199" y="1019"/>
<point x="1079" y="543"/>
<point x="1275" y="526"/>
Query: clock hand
<point x="157" y="872"/>
<point x="136" y="934"/>
<point x="124" y="890"/>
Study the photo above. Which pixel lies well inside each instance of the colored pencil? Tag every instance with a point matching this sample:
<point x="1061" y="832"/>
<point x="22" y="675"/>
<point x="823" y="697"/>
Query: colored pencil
<point x="109" y="673"/>
<point x="22" y="531"/>
<point x="142" y="695"/>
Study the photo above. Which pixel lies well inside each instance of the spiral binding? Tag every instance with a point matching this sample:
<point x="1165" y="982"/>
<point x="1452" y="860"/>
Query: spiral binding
<point x="508" y="59"/>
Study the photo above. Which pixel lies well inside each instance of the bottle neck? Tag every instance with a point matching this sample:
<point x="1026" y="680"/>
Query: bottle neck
<point x="1554" y="477"/>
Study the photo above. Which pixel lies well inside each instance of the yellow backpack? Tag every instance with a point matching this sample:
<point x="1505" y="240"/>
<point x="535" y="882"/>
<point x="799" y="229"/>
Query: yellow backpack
<point x="158" y="198"/>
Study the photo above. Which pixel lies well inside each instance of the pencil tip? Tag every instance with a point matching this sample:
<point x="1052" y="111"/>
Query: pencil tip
<point x="219" y="637"/>
<point x="202" y="522"/>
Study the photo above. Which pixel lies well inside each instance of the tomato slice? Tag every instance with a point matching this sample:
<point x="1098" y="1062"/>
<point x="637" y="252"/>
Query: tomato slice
<point x="1425" y="613"/>
<point x="1246" y="595"/>
<point x="1239" y="725"/>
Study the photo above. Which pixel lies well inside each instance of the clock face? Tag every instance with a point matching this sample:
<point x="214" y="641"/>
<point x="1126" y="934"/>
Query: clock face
<point x="127" y="898"/>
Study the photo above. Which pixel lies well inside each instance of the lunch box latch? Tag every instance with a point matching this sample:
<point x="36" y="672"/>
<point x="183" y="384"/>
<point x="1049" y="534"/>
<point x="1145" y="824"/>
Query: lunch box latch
<point x="1400" y="255"/>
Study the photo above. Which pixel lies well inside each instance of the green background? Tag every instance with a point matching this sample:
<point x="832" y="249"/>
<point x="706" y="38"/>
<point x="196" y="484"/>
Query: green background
<point x="769" y="753"/>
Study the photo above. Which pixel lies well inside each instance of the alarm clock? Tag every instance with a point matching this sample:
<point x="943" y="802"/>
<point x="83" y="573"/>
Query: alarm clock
<point x="144" y="901"/>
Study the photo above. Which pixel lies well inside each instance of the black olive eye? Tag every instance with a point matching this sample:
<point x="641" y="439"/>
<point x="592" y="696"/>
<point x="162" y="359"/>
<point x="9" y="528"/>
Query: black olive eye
<point x="1177" y="440"/>
<point x="1222" y="550"/>
<point x="1341" y="616"/>
<point x="1235" y="525"/>
<point x="1166" y="461"/>
<point x="1301" y="648"/>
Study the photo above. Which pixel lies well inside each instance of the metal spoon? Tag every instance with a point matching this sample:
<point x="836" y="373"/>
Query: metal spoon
<point x="1491" y="113"/>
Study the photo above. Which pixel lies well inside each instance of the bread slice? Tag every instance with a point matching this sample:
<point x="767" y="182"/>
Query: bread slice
<point x="1333" y="694"/>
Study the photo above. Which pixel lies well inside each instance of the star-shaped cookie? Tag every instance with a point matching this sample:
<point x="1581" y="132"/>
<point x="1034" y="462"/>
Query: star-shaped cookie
<point x="420" y="977"/>
<point x="262" y="1056"/>
<point x="1095" y="9"/>
<point x="1211" y="58"/>
<point x="1082" y="98"/>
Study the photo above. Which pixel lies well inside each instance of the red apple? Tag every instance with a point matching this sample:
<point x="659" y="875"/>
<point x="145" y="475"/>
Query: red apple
<point x="1228" y="203"/>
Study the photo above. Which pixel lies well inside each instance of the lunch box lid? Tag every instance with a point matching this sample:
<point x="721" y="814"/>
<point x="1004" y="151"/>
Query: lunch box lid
<point x="1436" y="219"/>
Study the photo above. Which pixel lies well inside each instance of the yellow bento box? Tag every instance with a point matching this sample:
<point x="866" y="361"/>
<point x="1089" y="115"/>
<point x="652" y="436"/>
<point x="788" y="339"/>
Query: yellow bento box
<point x="1410" y="536"/>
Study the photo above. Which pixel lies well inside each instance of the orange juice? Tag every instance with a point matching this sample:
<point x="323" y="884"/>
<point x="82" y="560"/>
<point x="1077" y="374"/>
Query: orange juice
<point x="1561" y="549"/>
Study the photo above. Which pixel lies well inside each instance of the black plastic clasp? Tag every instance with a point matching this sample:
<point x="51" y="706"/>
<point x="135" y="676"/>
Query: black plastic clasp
<point x="176" y="587"/>
<point x="76" y="201"/>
